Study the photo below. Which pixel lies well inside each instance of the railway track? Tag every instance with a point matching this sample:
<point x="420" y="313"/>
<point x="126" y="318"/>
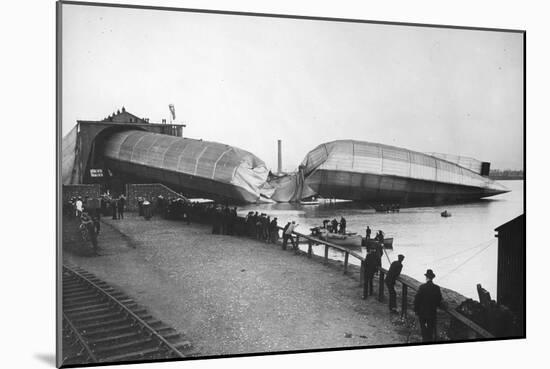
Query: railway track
<point x="101" y="324"/>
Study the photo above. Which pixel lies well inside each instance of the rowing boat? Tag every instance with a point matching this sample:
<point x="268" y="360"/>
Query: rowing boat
<point x="372" y="243"/>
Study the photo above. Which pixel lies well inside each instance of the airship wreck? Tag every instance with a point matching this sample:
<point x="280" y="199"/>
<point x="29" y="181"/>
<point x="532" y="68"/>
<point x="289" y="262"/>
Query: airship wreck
<point x="373" y="172"/>
<point x="123" y="148"/>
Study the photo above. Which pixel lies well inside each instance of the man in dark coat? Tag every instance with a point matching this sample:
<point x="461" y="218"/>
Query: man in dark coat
<point x="285" y="236"/>
<point x="120" y="205"/>
<point x="334" y="224"/>
<point x="368" y="232"/>
<point x="140" y="205"/>
<point x="91" y="229"/>
<point x="343" y="225"/>
<point x="372" y="263"/>
<point x="274" y="231"/>
<point x="426" y="301"/>
<point x="393" y="273"/>
<point x="114" y="209"/>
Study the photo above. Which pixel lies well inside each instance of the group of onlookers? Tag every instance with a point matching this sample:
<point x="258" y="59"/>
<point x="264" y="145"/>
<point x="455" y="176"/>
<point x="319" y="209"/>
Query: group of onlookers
<point x="262" y="227"/>
<point x="426" y="301"/>
<point x="224" y="220"/>
<point x="334" y="226"/>
<point x="115" y="205"/>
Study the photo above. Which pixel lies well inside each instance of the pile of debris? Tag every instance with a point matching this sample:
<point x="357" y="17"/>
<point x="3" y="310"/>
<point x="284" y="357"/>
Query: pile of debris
<point x="487" y="313"/>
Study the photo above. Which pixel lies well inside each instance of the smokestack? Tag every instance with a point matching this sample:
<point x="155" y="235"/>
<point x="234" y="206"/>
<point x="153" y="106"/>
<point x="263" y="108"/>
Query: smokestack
<point x="279" y="157"/>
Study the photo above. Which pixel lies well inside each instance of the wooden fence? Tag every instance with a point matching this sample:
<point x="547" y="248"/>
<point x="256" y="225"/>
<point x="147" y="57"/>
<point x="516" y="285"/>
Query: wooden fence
<point x="406" y="285"/>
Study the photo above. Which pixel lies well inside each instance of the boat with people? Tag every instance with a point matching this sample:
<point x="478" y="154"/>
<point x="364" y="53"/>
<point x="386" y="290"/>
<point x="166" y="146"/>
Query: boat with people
<point x="371" y="243"/>
<point x="445" y="214"/>
<point x="347" y="239"/>
<point x="351" y="239"/>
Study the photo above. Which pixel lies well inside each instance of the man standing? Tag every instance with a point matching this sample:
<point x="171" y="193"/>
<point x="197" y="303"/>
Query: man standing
<point x="78" y="206"/>
<point x="114" y="208"/>
<point x="372" y="263"/>
<point x="334" y="224"/>
<point x="289" y="231"/>
<point x="91" y="229"/>
<point x="274" y="231"/>
<point x="120" y="205"/>
<point x="426" y="301"/>
<point x="343" y="225"/>
<point x="285" y="235"/>
<point x="368" y="232"/>
<point x="393" y="273"/>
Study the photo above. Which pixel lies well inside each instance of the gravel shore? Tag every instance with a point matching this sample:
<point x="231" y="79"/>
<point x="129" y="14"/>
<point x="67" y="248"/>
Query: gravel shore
<point x="234" y="295"/>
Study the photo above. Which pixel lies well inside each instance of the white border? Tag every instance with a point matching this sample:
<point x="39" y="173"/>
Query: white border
<point x="28" y="64"/>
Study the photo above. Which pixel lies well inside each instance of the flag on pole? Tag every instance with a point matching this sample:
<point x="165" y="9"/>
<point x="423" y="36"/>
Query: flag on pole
<point x="172" y="110"/>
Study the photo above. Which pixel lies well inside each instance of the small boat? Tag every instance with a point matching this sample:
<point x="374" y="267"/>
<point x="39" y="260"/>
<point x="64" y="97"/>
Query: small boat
<point x="445" y="214"/>
<point x="372" y="243"/>
<point x="312" y="200"/>
<point x="386" y="208"/>
<point x="347" y="240"/>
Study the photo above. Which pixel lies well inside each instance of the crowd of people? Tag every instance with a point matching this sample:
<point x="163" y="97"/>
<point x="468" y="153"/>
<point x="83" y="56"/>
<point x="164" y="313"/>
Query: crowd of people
<point x="260" y="226"/>
<point x="87" y="210"/>
<point x="334" y="226"/>
<point x="223" y="218"/>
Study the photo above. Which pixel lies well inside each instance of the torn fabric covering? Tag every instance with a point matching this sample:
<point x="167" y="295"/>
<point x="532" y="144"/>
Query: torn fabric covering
<point x="201" y="167"/>
<point x="290" y="187"/>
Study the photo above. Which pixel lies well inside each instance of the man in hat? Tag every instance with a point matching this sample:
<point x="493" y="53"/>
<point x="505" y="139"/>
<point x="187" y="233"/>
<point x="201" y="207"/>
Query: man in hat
<point x="91" y="229"/>
<point x="274" y="231"/>
<point x="334" y="224"/>
<point x="285" y="235"/>
<point x="372" y="263"/>
<point x="114" y="210"/>
<point x="78" y="206"/>
<point x="343" y="225"/>
<point x="121" y="203"/>
<point x="426" y="301"/>
<point x="289" y="231"/>
<point x="393" y="273"/>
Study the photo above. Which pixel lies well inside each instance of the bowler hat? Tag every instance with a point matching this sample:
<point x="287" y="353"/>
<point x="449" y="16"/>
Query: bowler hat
<point x="430" y="274"/>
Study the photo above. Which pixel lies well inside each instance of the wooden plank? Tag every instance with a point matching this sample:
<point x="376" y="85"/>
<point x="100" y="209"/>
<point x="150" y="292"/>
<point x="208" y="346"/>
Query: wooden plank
<point x="381" y="285"/>
<point x="407" y="284"/>
<point x="365" y="284"/>
<point x="414" y="284"/>
<point x="326" y="243"/>
<point x="346" y="257"/>
<point x="404" y="302"/>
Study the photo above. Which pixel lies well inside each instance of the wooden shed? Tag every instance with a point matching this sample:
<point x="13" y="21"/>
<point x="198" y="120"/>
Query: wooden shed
<point x="511" y="266"/>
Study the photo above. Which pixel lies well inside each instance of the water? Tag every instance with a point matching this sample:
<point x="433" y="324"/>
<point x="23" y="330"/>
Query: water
<point x="461" y="249"/>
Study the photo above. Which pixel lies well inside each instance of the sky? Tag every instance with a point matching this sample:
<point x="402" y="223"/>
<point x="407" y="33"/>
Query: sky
<point x="249" y="81"/>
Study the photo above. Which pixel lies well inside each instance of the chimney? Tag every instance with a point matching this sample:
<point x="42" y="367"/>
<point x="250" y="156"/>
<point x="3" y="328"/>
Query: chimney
<point x="279" y="157"/>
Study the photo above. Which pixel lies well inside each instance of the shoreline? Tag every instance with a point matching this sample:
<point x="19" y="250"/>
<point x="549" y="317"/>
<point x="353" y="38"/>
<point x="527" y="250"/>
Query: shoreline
<point x="232" y="295"/>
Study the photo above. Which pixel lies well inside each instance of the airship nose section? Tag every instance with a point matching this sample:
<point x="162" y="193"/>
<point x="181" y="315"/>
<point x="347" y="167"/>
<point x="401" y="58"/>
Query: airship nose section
<point x="496" y="188"/>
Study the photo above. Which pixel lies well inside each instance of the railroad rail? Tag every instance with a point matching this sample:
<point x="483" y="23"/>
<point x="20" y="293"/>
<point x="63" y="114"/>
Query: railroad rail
<point x="101" y="324"/>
